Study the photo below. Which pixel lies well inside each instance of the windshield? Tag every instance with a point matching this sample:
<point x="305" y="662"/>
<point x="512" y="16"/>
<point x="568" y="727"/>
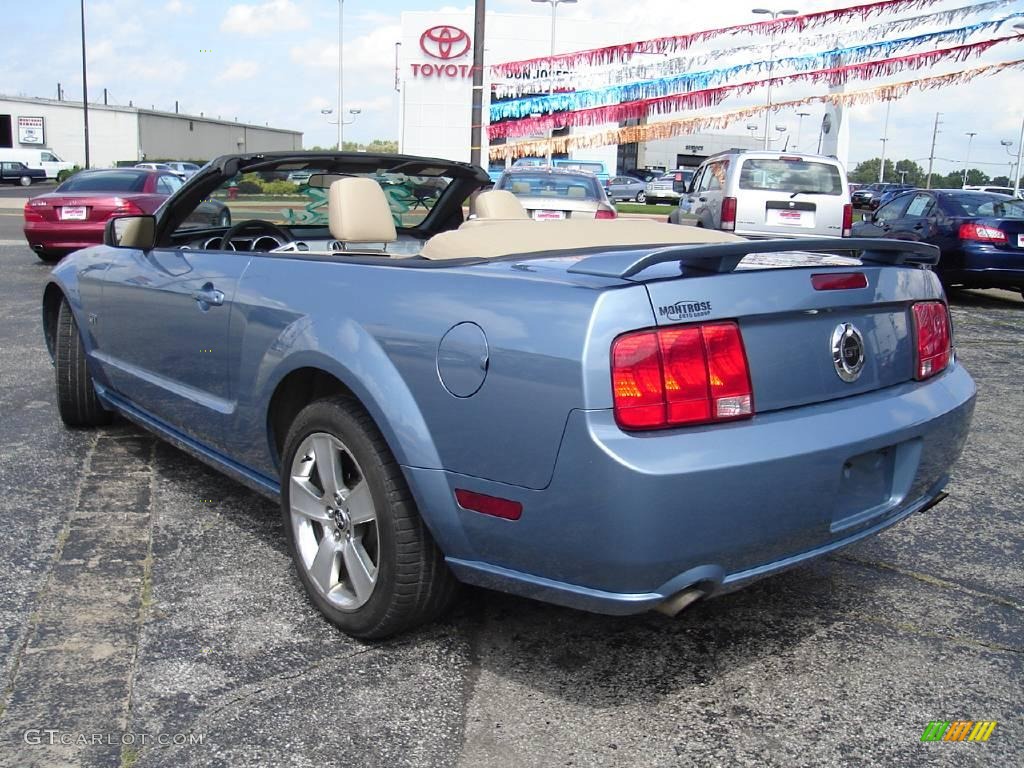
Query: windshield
<point x="105" y="181"/>
<point x="550" y="185"/>
<point x="986" y="204"/>
<point x="778" y="175"/>
<point x="284" y="197"/>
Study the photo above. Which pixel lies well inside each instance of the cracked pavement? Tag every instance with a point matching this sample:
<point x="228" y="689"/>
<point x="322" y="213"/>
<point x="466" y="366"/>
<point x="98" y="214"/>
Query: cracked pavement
<point x="142" y="593"/>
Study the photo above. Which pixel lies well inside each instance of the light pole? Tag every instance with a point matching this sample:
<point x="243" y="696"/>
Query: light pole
<point x="885" y="140"/>
<point x="1007" y="144"/>
<point x="1020" y="142"/>
<point x="554" y="6"/>
<point x="85" y="91"/>
<point x="352" y="112"/>
<point x="967" y="159"/>
<point x="341" y="133"/>
<point x="771" y="63"/>
<point x="799" y="127"/>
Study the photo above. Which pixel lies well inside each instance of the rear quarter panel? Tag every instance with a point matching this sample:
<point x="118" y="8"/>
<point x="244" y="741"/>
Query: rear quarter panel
<point x="377" y="329"/>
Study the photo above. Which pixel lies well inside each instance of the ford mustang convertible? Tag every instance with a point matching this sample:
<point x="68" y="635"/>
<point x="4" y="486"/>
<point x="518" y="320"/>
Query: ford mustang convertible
<point x="616" y="416"/>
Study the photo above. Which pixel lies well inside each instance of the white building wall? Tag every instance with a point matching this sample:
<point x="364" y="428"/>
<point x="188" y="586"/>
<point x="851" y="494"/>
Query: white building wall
<point x="663" y="153"/>
<point x="113" y="131"/>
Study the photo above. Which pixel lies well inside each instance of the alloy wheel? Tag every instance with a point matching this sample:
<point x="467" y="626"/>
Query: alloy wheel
<point x="334" y="521"/>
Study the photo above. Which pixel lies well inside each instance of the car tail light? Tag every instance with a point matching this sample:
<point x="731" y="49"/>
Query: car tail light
<point x="931" y="329"/>
<point x="838" y="281"/>
<point x="982" y="233"/>
<point x="847" y="220"/>
<point x="729" y="213"/>
<point x="688" y="374"/>
<point x="33" y="210"/>
<point x="606" y="213"/>
<point x="489" y="505"/>
<point x="124" y="207"/>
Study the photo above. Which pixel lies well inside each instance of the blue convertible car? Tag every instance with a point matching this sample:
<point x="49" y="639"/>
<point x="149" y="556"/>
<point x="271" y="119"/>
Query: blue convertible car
<point x="612" y="415"/>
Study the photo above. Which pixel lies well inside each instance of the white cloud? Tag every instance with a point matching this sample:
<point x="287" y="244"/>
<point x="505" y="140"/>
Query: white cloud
<point x="378" y="104"/>
<point x="372" y="54"/>
<point x="242" y="69"/>
<point x="272" y="16"/>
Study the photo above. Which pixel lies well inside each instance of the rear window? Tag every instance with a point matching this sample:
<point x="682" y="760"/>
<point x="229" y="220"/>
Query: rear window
<point x="985" y="204"/>
<point x="109" y="181"/>
<point x="550" y="185"/>
<point x="808" y="176"/>
<point x="577" y="165"/>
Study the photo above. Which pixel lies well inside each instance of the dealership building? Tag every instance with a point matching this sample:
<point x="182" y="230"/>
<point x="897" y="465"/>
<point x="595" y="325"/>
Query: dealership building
<point x="434" y="78"/>
<point x="130" y="134"/>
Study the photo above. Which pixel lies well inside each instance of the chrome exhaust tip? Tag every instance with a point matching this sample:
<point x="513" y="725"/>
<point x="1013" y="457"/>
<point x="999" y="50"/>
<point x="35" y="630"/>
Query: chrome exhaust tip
<point x="672" y="606"/>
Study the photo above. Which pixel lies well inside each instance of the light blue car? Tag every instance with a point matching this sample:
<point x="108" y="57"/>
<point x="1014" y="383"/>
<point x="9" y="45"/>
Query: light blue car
<point x="616" y="416"/>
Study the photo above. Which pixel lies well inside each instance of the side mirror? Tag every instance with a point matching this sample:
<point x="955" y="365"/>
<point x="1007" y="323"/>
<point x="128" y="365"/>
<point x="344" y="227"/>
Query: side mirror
<point x="131" y="232"/>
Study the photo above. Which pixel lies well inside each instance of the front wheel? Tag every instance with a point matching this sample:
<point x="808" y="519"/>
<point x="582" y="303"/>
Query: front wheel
<point x="362" y="552"/>
<point x="641" y="197"/>
<point x="25" y="181"/>
<point x="77" y="402"/>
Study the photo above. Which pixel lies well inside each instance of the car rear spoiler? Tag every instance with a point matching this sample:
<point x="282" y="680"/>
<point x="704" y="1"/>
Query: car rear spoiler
<point x="724" y="257"/>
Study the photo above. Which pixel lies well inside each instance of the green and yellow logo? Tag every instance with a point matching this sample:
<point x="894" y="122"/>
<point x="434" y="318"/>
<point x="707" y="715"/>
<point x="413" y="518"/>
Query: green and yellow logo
<point x="958" y="730"/>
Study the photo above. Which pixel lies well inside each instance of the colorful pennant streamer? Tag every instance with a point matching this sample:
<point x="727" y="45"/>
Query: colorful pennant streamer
<point x="625" y="51"/>
<point x="670" y="128"/>
<point x="689" y="81"/>
<point x="699" y="99"/>
<point x="592" y="79"/>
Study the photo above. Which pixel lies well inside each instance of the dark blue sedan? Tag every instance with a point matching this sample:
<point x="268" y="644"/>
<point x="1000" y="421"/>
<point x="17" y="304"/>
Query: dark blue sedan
<point x="980" y="234"/>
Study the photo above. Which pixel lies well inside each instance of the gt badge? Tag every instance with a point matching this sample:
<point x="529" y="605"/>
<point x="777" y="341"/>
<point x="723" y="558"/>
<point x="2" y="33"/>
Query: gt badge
<point x="848" y="351"/>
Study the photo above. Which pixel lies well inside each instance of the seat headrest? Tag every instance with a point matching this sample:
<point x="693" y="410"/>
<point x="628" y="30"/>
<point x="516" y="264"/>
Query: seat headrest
<point x="499" y="204"/>
<point x="520" y="187"/>
<point x="577" y="192"/>
<point x="358" y="212"/>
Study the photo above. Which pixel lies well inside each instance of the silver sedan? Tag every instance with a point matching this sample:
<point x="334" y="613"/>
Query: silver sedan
<point x="552" y="193"/>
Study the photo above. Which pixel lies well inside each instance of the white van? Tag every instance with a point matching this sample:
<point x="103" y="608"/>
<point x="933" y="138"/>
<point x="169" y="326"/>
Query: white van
<point x="46" y="159"/>
<point x="770" y="194"/>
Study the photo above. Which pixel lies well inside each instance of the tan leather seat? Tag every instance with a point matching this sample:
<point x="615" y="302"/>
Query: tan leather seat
<point x="502" y="238"/>
<point x="499" y="204"/>
<point x="358" y="213"/>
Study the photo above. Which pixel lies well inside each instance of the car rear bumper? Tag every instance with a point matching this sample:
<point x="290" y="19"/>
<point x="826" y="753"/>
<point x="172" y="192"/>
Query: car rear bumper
<point x="628" y="521"/>
<point x="63" y="236"/>
<point x="988" y="265"/>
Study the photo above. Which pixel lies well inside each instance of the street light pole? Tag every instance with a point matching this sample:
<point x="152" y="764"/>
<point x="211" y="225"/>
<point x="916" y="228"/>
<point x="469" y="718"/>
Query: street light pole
<point x="1006" y="145"/>
<point x="341" y="133"/>
<point x="771" y="63"/>
<point x="85" y="91"/>
<point x="554" y="6"/>
<point x="885" y="139"/>
<point x="1020" y="153"/>
<point x="799" y="127"/>
<point x="967" y="160"/>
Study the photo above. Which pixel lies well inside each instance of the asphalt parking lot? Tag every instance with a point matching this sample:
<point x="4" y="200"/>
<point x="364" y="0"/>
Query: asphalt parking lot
<point x="145" y="598"/>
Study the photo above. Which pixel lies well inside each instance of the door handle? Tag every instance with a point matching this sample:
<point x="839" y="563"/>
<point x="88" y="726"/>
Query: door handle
<point x="209" y="296"/>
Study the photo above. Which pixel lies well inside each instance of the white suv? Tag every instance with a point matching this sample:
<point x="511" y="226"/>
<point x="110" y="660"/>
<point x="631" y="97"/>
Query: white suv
<point x="770" y="194"/>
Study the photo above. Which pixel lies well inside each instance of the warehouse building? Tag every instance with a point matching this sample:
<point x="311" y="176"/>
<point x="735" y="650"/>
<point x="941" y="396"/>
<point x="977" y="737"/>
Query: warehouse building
<point x="130" y="134"/>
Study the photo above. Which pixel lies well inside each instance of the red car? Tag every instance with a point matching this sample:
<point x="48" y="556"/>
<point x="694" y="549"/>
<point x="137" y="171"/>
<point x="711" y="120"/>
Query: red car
<point x="74" y="215"/>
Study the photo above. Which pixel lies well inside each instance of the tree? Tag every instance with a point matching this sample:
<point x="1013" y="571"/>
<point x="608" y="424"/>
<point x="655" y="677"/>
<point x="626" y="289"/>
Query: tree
<point x="382" y="146"/>
<point x="867" y="172"/>
<point x="976" y="177"/>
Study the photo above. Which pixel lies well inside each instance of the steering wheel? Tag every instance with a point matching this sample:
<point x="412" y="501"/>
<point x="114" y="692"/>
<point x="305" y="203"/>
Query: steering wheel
<point x="255" y="227"/>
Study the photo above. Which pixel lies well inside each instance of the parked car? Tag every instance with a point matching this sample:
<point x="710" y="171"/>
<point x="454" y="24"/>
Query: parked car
<point x="888" y="195"/>
<point x="74" y="214"/>
<point x="644" y="174"/>
<point x="46" y="159"/>
<point x="562" y="409"/>
<point x="155" y="167"/>
<point x="765" y="194"/>
<point x="668" y="187"/>
<point x="980" y="234"/>
<point x="996" y="190"/>
<point x="868" y="196"/>
<point x="19" y="173"/>
<point x="595" y="167"/>
<point x="184" y="170"/>
<point x="552" y="193"/>
<point x="625" y="188"/>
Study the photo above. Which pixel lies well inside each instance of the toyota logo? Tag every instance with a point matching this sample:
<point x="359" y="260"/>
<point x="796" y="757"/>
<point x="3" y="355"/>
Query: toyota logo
<point x="848" y="351"/>
<point x="444" y="42"/>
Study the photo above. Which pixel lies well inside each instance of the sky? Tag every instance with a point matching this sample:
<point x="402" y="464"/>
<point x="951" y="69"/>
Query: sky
<point x="274" y="61"/>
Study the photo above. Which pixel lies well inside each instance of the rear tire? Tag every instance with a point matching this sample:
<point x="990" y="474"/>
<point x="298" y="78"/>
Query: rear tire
<point x="25" y="181"/>
<point x="77" y="402"/>
<point x="641" y="197"/>
<point x="360" y="547"/>
<point x="673" y="218"/>
<point x="48" y="257"/>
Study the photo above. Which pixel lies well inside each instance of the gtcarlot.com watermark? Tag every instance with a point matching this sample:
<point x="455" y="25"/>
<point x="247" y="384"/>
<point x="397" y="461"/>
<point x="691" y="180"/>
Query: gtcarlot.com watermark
<point x="51" y="736"/>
